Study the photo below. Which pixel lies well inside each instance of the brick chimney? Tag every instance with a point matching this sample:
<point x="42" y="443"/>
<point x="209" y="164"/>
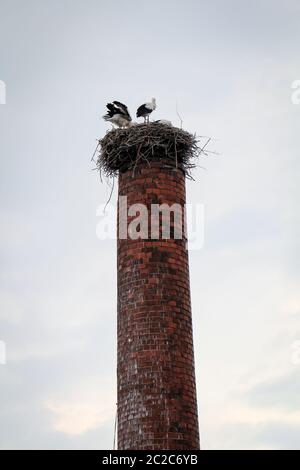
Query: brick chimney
<point x="157" y="406"/>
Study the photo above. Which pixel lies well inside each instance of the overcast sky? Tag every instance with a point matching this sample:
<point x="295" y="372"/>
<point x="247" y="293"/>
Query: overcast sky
<point x="230" y="67"/>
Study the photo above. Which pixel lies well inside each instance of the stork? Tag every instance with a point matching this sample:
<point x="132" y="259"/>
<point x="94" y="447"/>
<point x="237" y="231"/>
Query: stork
<point x="118" y="114"/>
<point x="163" y="121"/>
<point x="146" y="109"/>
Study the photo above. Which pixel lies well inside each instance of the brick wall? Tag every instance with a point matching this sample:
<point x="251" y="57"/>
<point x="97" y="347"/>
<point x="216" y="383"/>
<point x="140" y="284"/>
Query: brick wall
<point x="157" y="406"/>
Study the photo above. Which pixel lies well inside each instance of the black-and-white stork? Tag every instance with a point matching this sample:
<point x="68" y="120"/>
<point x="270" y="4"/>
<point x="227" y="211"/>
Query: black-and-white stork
<point x="146" y="109"/>
<point x="118" y="114"/>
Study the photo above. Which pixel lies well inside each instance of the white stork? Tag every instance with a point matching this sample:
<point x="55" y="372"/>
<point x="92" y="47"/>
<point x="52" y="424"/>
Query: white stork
<point x="118" y="114"/>
<point x="146" y="109"/>
<point x="163" y="121"/>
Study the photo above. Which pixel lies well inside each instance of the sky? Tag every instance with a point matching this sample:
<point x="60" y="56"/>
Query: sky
<point x="229" y="67"/>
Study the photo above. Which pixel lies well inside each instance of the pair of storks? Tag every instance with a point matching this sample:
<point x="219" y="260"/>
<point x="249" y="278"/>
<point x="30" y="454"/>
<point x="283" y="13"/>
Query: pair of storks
<point x="118" y="114"/>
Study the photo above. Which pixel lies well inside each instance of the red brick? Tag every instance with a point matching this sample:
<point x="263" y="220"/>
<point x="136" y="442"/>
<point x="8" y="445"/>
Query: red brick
<point x="157" y="406"/>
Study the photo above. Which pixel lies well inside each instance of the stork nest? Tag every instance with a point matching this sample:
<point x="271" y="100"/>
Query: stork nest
<point x="121" y="150"/>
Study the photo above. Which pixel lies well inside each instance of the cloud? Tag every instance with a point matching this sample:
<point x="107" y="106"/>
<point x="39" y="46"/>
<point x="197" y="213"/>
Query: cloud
<point x="75" y="419"/>
<point x="258" y="436"/>
<point x="31" y="427"/>
<point x="281" y="394"/>
<point x="292" y="306"/>
<point x="262" y="416"/>
<point x="86" y="408"/>
<point x="63" y="404"/>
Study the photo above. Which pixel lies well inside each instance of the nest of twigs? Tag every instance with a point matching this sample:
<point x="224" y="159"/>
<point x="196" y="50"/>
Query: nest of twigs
<point x="121" y="150"/>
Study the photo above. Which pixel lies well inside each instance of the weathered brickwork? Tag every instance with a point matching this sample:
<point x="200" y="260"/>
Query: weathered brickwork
<point x="157" y="407"/>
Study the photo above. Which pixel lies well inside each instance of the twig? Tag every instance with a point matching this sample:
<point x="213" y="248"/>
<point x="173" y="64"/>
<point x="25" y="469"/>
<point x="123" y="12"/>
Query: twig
<point x="110" y="196"/>
<point x="202" y="149"/>
<point x="115" y="428"/>
<point x="177" y="112"/>
<point x="96" y="149"/>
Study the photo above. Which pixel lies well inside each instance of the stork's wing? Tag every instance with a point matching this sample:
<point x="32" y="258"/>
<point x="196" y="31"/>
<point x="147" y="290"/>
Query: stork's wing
<point x="111" y="109"/>
<point x="122" y="106"/>
<point x="142" y="110"/>
<point x="122" y="109"/>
